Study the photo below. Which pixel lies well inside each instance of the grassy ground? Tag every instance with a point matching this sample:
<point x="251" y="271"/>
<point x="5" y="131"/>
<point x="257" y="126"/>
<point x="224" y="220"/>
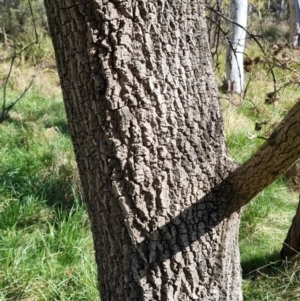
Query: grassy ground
<point x="46" y="250"/>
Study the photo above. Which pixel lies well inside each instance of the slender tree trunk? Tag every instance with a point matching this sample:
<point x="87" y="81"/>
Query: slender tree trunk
<point x="294" y="22"/>
<point x="147" y="131"/>
<point x="235" y="49"/>
<point x="291" y="245"/>
<point x="282" y="9"/>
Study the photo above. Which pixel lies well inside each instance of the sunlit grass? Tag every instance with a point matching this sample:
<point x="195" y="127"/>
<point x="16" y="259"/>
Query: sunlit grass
<point x="46" y="250"/>
<point x="46" y="254"/>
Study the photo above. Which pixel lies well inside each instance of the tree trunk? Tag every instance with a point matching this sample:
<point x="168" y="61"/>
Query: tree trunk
<point x="235" y="48"/>
<point x="147" y="131"/>
<point x="294" y="22"/>
<point x="148" y="136"/>
<point x="282" y="9"/>
<point x="291" y="245"/>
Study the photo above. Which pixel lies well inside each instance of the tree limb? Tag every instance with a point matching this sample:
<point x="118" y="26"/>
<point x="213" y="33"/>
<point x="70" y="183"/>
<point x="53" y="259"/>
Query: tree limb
<point x="274" y="157"/>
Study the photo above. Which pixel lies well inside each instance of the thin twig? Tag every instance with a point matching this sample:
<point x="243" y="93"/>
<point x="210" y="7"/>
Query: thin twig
<point x="33" y="21"/>
<point x="5" y="109"/>
<point x="3" y="114"/>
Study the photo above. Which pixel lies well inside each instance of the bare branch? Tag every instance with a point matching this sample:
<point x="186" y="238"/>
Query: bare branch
<point x="33" y="21"/>
<point x="4" y="114"/>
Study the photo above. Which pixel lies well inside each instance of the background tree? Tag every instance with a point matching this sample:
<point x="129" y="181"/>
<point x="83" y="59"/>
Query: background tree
<point x="236" y="45"/>
<point x="147" y="131"/>
<point x="294" y="6"/>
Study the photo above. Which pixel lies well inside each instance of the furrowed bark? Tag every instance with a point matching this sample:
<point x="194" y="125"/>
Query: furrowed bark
<point x="147" y="131"/>
<point x="148" y="136"/>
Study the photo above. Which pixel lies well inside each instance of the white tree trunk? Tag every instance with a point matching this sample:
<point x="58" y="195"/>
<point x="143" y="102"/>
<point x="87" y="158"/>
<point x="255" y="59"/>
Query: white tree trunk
<point x="294" y="22"/>
<point x="235" y="50"/>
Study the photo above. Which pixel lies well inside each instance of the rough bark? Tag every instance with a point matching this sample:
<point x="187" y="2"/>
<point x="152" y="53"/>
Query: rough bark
<point x="291" y="245"/>
<point x="147" y="130"/>
<point x="235" y="48"/>
<point x="148" y="136"/>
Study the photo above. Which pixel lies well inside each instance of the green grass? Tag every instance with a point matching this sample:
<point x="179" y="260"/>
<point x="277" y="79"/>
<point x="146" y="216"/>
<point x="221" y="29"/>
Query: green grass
<point x="264" y="227"/>
<point x="262" y="231"/>
<point x="46" y="250"/>
<point x="46" y="254"/>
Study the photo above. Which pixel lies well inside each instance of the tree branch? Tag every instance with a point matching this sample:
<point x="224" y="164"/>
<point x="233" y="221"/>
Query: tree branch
<point x="4" y="111"/>
<point x="274" y="157"/>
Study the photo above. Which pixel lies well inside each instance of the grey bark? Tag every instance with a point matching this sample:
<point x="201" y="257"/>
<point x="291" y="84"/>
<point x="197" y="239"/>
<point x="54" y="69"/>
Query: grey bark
<point x="294" y="23"/>
<point x="147" y="130"/>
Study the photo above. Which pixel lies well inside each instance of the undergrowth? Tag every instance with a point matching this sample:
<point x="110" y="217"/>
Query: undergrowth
<point x="46" y="250"/>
